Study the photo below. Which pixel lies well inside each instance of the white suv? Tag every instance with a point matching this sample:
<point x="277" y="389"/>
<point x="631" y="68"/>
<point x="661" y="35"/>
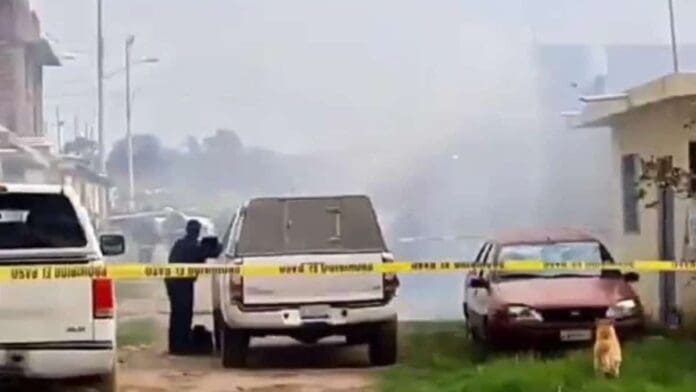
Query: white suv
<point x="55" y="329"/>
<point x="317" y="231"/>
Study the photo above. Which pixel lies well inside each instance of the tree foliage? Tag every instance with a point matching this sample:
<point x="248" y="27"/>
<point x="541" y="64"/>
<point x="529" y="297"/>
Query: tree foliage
<point x="658" y="173"/>
<point x="216" y="164"/>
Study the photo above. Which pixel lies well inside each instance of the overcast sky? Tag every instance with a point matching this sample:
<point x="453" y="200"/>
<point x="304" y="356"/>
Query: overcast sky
<point x="308" y="75"/>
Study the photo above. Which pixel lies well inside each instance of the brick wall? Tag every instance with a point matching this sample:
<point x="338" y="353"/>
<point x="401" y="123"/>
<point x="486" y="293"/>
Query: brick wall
<point x="21" y="87"/>
<point x="17" y="24"/>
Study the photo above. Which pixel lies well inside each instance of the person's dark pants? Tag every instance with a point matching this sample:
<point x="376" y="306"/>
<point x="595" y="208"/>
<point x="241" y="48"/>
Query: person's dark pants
<point x="180" y="293"/>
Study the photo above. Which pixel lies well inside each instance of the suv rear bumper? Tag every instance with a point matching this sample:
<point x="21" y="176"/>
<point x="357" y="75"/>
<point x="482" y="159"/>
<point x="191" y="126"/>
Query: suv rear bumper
<point x="289" y="318"/>
<point x="56" y="360"/>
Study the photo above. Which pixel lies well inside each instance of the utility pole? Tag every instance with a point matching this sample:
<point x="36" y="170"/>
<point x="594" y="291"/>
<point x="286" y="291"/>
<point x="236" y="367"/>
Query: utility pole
<point x="59" y="130"/>
<point x="129" y="136"/>
<point x="76" y="127"/>
<point x="673" y="36"/>
<point x="666" y="240"/>
<point x="103" y="196"/>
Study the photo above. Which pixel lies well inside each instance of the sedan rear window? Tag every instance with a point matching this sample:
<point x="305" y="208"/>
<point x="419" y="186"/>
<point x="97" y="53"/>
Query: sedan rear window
<point x="29" y="220"/>
<point x="555" y="252"/>
<point x="552" y="253"/>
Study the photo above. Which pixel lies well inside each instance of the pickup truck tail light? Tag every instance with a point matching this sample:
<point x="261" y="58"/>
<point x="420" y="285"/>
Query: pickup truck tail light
<point x="390" y="282"/>
<point x="103" y="298"/>
<point x="236" y="287"/>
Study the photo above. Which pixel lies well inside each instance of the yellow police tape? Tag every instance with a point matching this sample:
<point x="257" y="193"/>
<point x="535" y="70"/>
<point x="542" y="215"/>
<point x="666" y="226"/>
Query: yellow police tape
<point x="134" y="271"/>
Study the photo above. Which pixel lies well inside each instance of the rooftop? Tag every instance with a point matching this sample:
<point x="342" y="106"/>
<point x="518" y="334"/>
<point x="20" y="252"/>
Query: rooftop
<point x="605" y="110"/>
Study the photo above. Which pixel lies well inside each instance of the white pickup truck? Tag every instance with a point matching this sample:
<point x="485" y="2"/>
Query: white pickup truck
<point x="321" y="231"/>
<point x="55" y="329"/>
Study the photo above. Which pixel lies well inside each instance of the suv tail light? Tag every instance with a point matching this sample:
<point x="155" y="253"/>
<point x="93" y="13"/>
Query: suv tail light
<point x="103" y="298"/>
<point x="390" y="282"/>
<point x="236" y="287"/>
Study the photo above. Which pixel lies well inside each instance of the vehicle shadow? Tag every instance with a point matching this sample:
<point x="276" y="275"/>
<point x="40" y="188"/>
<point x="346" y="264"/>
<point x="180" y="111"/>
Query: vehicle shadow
<point x="41" y="385"/>
<point x="316" y="356"/>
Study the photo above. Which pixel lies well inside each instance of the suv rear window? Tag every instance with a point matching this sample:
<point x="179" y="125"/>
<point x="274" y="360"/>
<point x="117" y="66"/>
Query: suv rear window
<point x="310" y="225"/>
<point x="30" y="220"/>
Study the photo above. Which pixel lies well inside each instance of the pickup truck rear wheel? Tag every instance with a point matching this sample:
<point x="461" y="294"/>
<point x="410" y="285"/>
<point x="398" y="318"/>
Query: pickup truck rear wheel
<point x="106" y="382"/>
<point x="383" y="345"/>
<point x="235" y="347"/>
<point x="218" y="325"/>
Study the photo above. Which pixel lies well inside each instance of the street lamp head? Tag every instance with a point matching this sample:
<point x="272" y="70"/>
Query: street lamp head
<point x="149" y="60"/>
<point x="130" y="40"/>
<point x="68" y="56"/>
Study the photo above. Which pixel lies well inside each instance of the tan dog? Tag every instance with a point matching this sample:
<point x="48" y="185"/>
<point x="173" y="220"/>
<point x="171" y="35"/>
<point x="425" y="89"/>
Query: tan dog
<point x="607" y="349"/>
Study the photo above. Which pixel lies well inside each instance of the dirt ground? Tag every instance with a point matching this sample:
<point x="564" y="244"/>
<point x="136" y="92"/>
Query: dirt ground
<point x="275" y="364"/>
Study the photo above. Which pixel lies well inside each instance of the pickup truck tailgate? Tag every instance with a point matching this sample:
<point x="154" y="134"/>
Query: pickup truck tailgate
<point x="327" y="230"/>
<point x="313" y="288"/>
<point x="38" y="226"/>
<point x="46" y="311"/>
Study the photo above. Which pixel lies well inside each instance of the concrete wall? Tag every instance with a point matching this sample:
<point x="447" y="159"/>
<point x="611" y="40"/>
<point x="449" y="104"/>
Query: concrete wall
<point x="657" y="130"/>
<point x="11" y="69"/>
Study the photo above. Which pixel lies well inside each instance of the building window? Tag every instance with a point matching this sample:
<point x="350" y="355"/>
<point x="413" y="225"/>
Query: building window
<point x="629" y="177"/>
<point x="692" y="168"/>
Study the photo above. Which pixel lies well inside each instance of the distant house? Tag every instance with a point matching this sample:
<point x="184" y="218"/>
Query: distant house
<point x="26" y="154"/>
<point x="648" y="120"/>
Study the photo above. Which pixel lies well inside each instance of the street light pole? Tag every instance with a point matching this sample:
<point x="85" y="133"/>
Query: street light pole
<point x="103" y="198"/>
<point x="100" y="88"/>
<point x="129" y="136"/>
<point x="673" y="36"/>
<point x="59" y="130"/>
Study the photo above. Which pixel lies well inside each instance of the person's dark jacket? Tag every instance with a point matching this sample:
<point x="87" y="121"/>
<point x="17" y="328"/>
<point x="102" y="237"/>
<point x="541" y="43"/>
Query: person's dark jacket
<point x="187" y="250"/>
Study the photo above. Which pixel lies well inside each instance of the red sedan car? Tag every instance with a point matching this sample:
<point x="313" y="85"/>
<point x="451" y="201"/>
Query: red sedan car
<point x="535" y="308"/>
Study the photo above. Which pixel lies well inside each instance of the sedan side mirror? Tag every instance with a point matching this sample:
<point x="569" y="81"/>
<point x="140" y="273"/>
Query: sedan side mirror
<point x="211" y="247"/>
<point x="479" y="283"/>
<point x="112" y="244"/>
<point x="631" y="277"/>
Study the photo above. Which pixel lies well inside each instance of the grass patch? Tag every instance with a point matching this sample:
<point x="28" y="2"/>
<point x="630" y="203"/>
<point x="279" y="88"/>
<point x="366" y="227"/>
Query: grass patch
<point x="440" y="358"/>
<point x="137" y="332"/>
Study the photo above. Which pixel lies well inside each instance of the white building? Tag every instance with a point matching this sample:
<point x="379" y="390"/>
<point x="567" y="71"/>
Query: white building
<point x="649" y="120"/>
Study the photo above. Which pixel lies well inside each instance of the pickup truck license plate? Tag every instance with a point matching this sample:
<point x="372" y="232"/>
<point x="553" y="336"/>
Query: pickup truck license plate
<point x="576" y="335"/>
<point x="314" y="312"/>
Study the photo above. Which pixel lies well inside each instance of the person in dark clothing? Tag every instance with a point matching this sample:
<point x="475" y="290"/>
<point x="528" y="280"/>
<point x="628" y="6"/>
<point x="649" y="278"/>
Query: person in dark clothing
<point x="180" y="291"/>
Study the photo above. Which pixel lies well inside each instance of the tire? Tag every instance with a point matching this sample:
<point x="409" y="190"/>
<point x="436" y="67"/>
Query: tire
<point x="355" y="339"/>
<point x="218" y="324"/>
<point x="383" y="345"/>
<point x="308" y="341"/>
<point x="483" y="331"/>
<point x="476" y="332"/>
<point x="235" y="346"/>
<point x="106" y="382"/>
<point x="470" y="333"/>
